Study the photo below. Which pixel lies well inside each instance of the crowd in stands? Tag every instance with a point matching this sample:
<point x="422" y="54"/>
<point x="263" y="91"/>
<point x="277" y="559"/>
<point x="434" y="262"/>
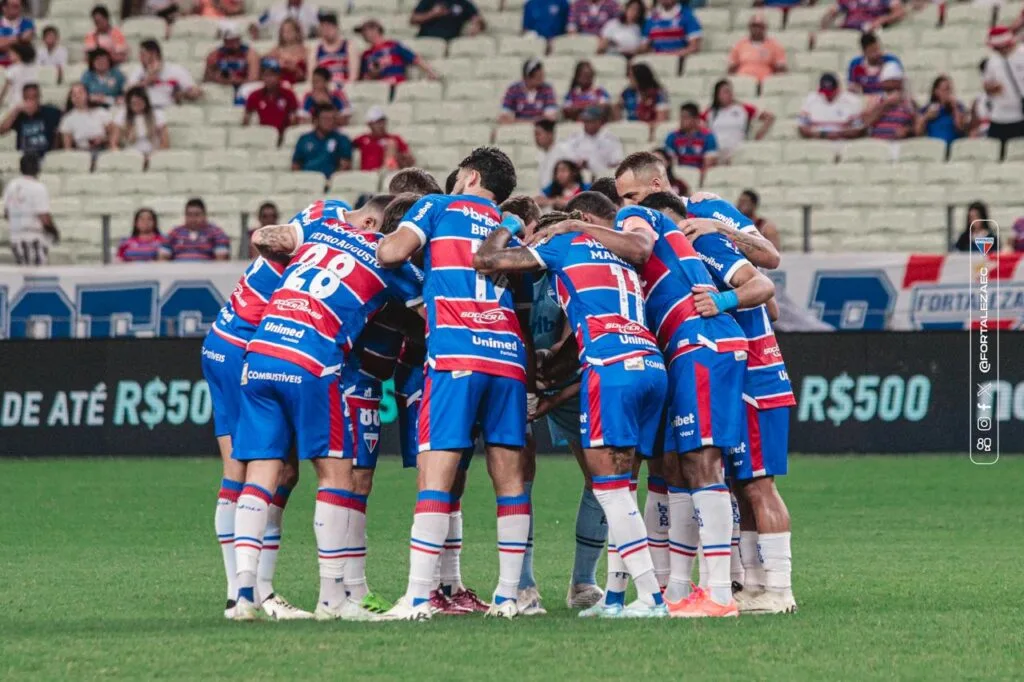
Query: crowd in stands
<point x="297" y="64"/>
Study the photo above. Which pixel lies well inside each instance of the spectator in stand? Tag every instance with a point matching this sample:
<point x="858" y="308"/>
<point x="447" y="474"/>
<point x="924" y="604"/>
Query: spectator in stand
<point x="332" y="53"/>
<point x="15" y="27"/>
<point x="829" y="112"/>
<point x="232" y="62"/>
<point x="146" y="241"/>
<point x="387" y="60"/>
<point x="322" y="95"/>
<point x="672" y="29"/>
<point x="945" y="117"/>
<point x="677" y="184"/>
<point x="731" y="121"/>
<point x="595" y="148"/>
<point x="27" y="210"/>
<point x="644" y="100"/>
<point x="20" y="73"/>
<point x="139" y="126"/>
<point x="692" y="145"/>
<point x="866" y="16"/>
<point x="583" y="92"/>
<point x="976" y="226"/>
<point x="530" y="99"/>
<point x="35" y="124"/>
<point x="588" y="17"/>
<point x="567" y="183"/>
<point x="1016" y="241"/>
<point x="548" y="152"/>
<point x="290" y="52"/>
<point x="624" y="34"/>
<point x="273" y="104"/>
<point x="102" y="80"/>
<point x="1004" y="84"/>
<point x="546" y="18"/>
<point x="270" y="21"/>
<point x="981" y="108"/>
<point x="166" y="83"/>
<point x="83" y="127"/>
<point x="167" y="10"/>
<point x="446" y="19"/>
<point x="323" y="149"/>
<point x="52" y="53"/>
<point x="748" y="204"/>
<point x="218" y="9"/>
<point x="864" y="71"/>
<point x="198" y="239"/>
<point x="890" y="115"/>
<point x="379" y="148"/>
<point x="106" y="36"/>
<point x="757" y="55"/>
<point x="266" y="214"/>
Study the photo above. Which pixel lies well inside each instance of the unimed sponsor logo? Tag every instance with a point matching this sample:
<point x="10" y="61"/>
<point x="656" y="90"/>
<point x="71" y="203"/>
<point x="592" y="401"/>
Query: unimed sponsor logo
<point x="497" y="345"/>
<point x="284" y="330"/>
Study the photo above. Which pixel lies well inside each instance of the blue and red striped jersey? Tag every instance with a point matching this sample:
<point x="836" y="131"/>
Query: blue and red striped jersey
<point x="135" y="249"/>
<point x="229" y="62"/>
<point x="335" y="61"/>
<point x="865" y="75"/>
<point x="671" y="30"/>
<point x="669" y="277"/>
<point x="238" y="319"/>
<point x="472" y="323"/>
<point x="857" y="13"/>
<point x="387" y="60"/>
<point x="643" y="106"/>
<point x="529" y="105"/>
<point x="588" y="17"/>
<point x="581" y="99"/>
<point x="374" y="357"/>
<point x="767" y="382"/>
<point x="602" y="297"/>
<point x="186" y="244"/>
<point x="329" y="290"/>
<point x="689" y="149"/>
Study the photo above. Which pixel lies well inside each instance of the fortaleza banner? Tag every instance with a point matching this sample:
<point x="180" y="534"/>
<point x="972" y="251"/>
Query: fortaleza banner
<point x="887" y="392"/>
<point x="818" y="292"/>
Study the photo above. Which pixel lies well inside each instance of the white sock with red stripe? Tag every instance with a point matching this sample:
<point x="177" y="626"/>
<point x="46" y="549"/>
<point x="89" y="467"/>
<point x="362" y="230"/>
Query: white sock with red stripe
<point x="271" y="543"/>
<point x="683" y="538"/>
<point x="777" y="559"/>
<point x="355" y="549"/>
<point x="626" y="527"/>
<point x="752" y="568"/>
<point x="330" y="525"/>
<point x="714" y="519"/>
<point x="656" y="518"/>
<point x="736" y="572"/>
<point x="618" y="575"/>
<point x="250" y="525"/>
<point x="513" y="532"/>
<point x="429" y="529"/>
<point x="451" y="569"/>
<point x="224" y="525"/>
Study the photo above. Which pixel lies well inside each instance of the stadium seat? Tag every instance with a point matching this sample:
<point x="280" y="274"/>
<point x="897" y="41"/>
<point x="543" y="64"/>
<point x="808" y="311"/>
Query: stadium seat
<point x="951" y="37"/>
<point x="190" y="117"/>
<point x="465" y="134"/>
<point x="253" y="137"/>
<point x="354" y="183"/>
<point x="270" y="159"/>
<point x="582" y="46"/>
<point x="194" y="183"/>
<point x="300" y="181"/>
<point x="124" y="161"/>
<point x="67" y="162"/>
<point x="152" y="182"/>
<point x="1008" y="173"/>
<point x="844" y="42"/>
<point x="631" y="131"/>
<point x="223" y="115"/>
<point x="459" y="90"/>
<point x="764" y="153"/>
<point x="844" y="174"/>
<point x="422" y="135"/>
<point x="504" y="24"/>
<point x="609" y="66"/>
<point x="948" y="173"/>
<point x="788" y="84"/>
<point x="112" y="206"/>
<point x="902" y="173"/>
<point x="428" y="48"/>
<point x="477" y="46"/>
<point x="663" y="65"/>
<point x="141" y="28"/>
<point x="805" y="17"/>
<point x="919" y="195"/>
<point x="419" y="91"/>
<point x="814" y="63"/>
<point x="517" y="133"/>
<point x="869" y="151"/>
<point x="930" y="60"/>
<point x="10" y="162"/>
<point x="173" y="160"/>
<point x="712" y="63"/>
<point x="810" y="151"/>
<point x="922" y="149"/>
<point x="834" y="220"/>
<point x="88" y="184"/>
<point x="521" y="46"/>
<point x="809" y="195"/>
<point x="500" y="69"/>
<point x="202" y="138"/>
<point x="733" y="177"/>
<point x="786" y="175"/>
<point x="52" y="182"/>
<point x="975" y="149"/>
<point x="240" y="182"/>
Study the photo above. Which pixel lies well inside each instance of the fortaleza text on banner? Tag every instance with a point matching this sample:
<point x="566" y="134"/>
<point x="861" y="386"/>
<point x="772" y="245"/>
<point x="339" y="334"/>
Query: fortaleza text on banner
<point x="818" y="292"/>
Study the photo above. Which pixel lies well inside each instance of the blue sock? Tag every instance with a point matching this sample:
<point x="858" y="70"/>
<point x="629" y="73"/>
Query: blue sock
<point x="526" y="578"/>
<point x="612" y="598"/>
<point x="591" y="534"/>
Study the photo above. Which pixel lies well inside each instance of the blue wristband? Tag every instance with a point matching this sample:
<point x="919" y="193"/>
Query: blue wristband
<point x="725" y="300"/>
<point x="513" y="224"/>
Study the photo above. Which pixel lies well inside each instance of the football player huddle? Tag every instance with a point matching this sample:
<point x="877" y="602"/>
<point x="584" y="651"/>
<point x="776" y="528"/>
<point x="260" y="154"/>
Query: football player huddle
<point x="637" y="323"/>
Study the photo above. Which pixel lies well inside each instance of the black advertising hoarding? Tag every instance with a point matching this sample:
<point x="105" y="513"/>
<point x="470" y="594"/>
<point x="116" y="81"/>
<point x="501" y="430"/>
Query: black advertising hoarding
<point x="857" y="392"/>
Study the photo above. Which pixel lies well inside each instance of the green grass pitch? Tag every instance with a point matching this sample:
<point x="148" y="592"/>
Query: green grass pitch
<point x="904" y="568"/>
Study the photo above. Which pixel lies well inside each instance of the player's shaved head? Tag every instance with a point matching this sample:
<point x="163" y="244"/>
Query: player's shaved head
<point x="667" y="203"/>
<point x="370" y="216"/>
<point x="593" y="204"/>
<point x="606" y="186"/>
<point x="414" y="180"/>
<point x="524" y="207"/>
<point x="397" y="208"/>
<point x="640" y="174"/>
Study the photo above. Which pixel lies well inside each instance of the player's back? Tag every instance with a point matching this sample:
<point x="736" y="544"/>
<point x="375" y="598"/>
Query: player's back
<point x="374" y="356"/>
<point x="238" y="319"/>
<point x="670" y="276"/>
<point x="326" y="294"/>
<point x="602" y="297"/>
<point x="471" y="317"/>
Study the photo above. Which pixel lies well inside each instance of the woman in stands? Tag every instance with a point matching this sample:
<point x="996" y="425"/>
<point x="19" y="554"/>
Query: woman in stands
<point x="82" y="127"/>
<point x="624" y="35"/>
<point x="103" y="81"/>
<point x="567" y="183"/>
<point x="146" y="240"/>
<point x="945" y="117"/>
<point x="583" y="92"/>
<point x="139" y="126"/>
<point x="977" y="225"/>
<point x="290" y="52"/>
<point x="644" y="100"/>
<point x="731" y="121"/>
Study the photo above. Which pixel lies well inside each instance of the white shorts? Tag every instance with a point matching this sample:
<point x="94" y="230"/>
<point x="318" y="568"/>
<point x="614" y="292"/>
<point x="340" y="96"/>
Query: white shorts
<point x="31" y="251"/>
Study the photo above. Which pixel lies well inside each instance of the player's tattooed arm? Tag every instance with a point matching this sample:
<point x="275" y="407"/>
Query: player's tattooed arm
<point x="750" y="288"/>
<point x="756" y="248"/>
<point x="492" y="255"/>
<point x="276" y="242"/>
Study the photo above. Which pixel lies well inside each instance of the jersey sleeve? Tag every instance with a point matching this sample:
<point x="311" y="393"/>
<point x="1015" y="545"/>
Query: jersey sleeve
<point x="708" y="205"/>
<point x="720" y="256"/>
<point x="637" y="218"/>
<point x="406" y="285"/>
<point x="421" y="217"/>
<point x="550" y="253"/>
<point x="405" y="54"/>
<point x="691" y="25"/>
